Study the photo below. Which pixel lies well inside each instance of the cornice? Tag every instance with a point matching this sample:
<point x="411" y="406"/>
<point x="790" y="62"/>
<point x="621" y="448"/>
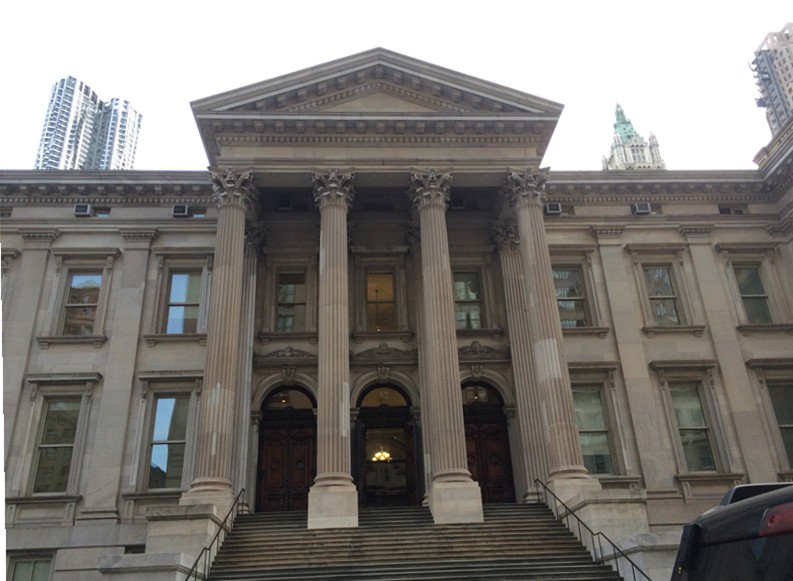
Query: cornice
<point x="658" y="186"/>
<point x="127" y="187"/>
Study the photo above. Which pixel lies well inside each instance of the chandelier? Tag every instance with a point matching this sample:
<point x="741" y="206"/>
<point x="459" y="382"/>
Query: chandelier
<point x="381" y="456"/>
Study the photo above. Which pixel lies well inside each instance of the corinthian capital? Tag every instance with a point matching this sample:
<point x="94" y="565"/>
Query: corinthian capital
<point x="430" y="188"/>
<point x="230" y="187"/>
<point x="333" y="188"/>
<point x="527" y="187"/>
<point x="505" y="235"/>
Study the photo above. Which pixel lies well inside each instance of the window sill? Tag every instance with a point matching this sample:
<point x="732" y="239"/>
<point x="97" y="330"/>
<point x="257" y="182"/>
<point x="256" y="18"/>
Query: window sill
<point x="696" y="330"/>
<point x="96" y="340"/>
<point x="750" y="329"/>
<point x="266" y="338"/>
<point x="618" y="481"/>
<point x="599" y="331"/>
<point x="404" y="335"/>
<point x="701" y="484"/>
<point x="495" y="334"/>
<point x="44" y="499"/>
<point x="153" y="494"/>
<point x="152" y="340"/>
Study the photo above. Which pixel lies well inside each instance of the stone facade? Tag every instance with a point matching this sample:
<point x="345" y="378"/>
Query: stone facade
<point x="372" y="228"/>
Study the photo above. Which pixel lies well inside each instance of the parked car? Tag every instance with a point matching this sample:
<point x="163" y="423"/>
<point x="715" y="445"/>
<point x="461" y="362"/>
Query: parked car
<point x="748" y="537"/>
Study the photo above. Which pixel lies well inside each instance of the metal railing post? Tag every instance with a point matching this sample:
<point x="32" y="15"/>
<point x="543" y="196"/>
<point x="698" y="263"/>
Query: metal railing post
<point x="596" y="547"/>
<point x="208" y="553"/>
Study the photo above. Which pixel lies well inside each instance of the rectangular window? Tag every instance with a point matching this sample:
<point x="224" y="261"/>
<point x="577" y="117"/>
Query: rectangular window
<point x="82" y="301"/>
<point x="661" y="294"/>
<point x="782" y="400"/>
<point x="468" y="300"/>
<point x="30" y="569"/>
<point x="56" y="445"/>
<point x="380" y="302"/>
<point x="168" y="441"/>
<point x="753" y="294"/>
<point x="692" y="427"/>
<point x="291" y="309"/>
<point x="569" y="285"/>
<point x="184" y="297"/>
<point x="592" y="430"/>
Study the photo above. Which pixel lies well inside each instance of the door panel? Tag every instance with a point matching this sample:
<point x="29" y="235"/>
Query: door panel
<point x="287" y="462"/>
<point x="487" y="446"/>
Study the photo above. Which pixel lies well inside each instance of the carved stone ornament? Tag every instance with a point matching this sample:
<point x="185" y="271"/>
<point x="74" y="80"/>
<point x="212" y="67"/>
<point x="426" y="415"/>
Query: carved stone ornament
<point x="505" y="236"/>
<point x="383" y="351"/>
<point x="526" y="187"/>
<point x="255" y="237"/>
<point x="288" y="352"/>
<point x="231" y="187"/>
<point x="430" y="188"/>
<point x="333" y="188"/>
<point x="476" y="349"/>
<point x="412" y="235"/>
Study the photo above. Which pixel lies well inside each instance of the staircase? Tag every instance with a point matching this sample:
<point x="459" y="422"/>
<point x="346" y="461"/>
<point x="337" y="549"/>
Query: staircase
<point x="514" y="542"/>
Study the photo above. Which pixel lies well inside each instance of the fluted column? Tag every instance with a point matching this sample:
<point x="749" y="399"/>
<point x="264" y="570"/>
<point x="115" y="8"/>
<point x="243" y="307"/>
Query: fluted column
<point x="333" y="501"/>
<point x="527" y="394"/>
<point x="454" y="497"/>
<point x="215" y="438"/>
<point x="527" y="195"/>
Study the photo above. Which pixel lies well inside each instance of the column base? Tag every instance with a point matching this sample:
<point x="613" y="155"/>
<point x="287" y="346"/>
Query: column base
<point x="567" y="488"/>
<point x="456" y="502"/>
<point x="332" y="507"/>
<point x="220" y="498"/>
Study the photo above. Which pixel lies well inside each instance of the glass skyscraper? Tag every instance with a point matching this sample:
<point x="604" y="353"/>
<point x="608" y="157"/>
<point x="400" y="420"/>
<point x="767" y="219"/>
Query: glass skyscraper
<point x="83" y="132"/>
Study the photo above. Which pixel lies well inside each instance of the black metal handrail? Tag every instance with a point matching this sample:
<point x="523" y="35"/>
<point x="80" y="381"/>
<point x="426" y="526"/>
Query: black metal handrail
<point x="596" y="539"/>
<point x="208" y="553"/>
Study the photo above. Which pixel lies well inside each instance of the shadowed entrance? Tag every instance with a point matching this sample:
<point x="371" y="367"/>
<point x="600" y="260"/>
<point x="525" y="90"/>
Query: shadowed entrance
<point x="487" y="443"/>
<point x="386" y="467"/>
<point x="287" y="451"/>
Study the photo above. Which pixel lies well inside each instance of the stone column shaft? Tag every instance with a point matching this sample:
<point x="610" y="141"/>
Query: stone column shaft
<point x="333" y="500"/>
<point x="215" y="439"/>
<point x="528" y="397"/>
<point x="454" y="496"/>
<point x="550" y="367"/>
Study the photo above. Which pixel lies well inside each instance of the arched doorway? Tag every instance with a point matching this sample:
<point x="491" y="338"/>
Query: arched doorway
<point x="287" y="450"/>
<point x="487" y="443"/>
<point x="386" y="466"/>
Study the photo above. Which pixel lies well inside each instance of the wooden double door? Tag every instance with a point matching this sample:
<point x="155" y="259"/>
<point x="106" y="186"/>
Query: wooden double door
<point x="287" y="457"/>
<point x="487" y="446"/>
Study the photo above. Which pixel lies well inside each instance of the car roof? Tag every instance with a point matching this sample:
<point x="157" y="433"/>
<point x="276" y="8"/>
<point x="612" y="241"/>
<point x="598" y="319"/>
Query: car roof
<point x="740" y="519"/>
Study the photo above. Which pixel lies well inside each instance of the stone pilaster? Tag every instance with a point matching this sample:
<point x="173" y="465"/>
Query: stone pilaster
<point x="104" y="469"/>
<point x="19" y="321"/>
<point x="215" y="439"/>
<point x="333" y="501"/>
<point x="527" y="196"/>
<point x="527" y="393"/>
<point x="454" y="497"/>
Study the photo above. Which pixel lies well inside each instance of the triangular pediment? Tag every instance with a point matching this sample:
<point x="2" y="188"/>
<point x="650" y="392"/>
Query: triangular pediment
<point x="372" y="108"/>
<point x="377" y="81"/>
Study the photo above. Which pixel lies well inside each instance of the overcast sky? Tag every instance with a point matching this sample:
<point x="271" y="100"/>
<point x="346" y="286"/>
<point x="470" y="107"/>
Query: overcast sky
<point x="680" y="69"/>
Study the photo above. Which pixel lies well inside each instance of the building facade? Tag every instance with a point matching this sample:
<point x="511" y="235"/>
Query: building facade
<point x="375" y="269"/>
<point x="773" y="68"/>
<point x="629" y="150"/>
<point x="82" y="132"/>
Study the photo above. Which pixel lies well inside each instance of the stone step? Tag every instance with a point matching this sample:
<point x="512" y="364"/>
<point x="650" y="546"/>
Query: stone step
<point x="513" y="542"/>
<point x="546" y="569"/>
